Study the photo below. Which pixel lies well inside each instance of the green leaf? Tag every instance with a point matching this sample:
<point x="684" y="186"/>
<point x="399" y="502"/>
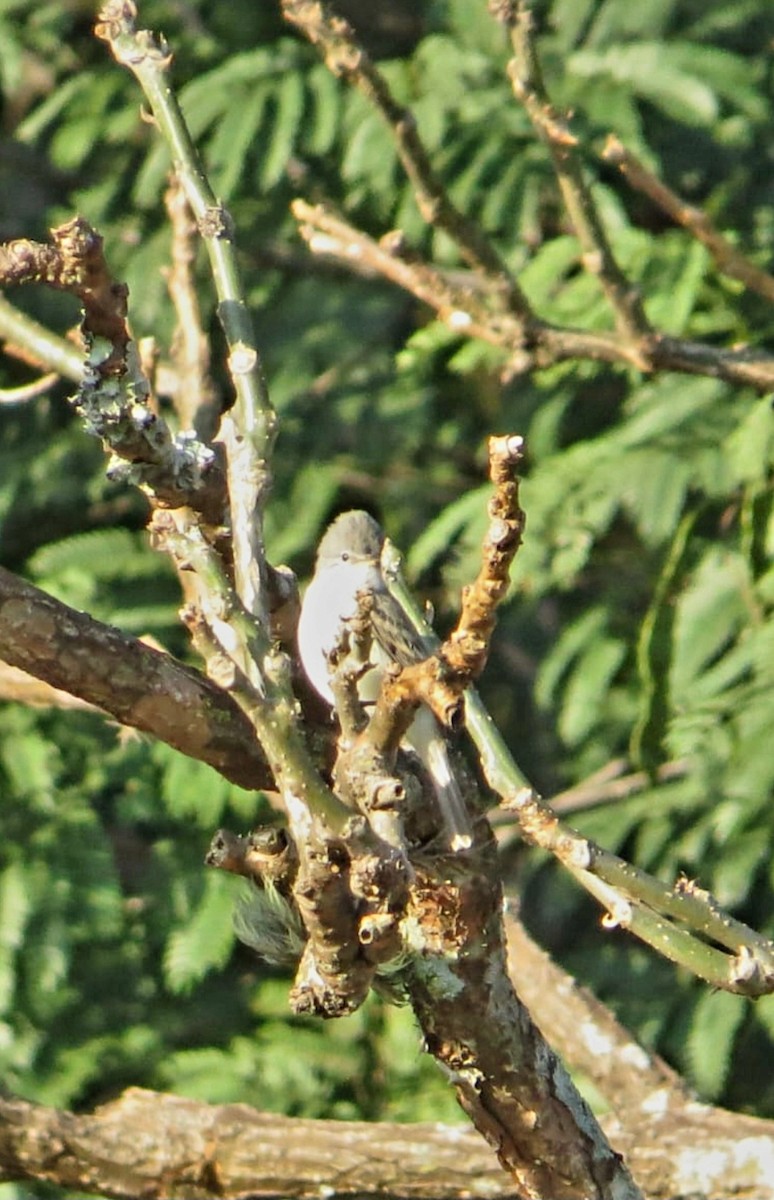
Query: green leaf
<point x="440" y="534"/>
<point x="571" y="643"/>
<point x="313" y="493"/>
<point x="370" y="154"/>
<point x="15" y="908"/>
<point x="52" y="108"/>
<point x="665" y="407"/>
<point x="586" y="694"/>
<point x="735" y="874"/>
<point x="652" y="487"/>
<point x="670" y="304"/>
<point x="32" y="764"/>
<point x="235" y="134"/>
<point x="709" y="615"/>
<point x="655" y="72"/>
<point x="192" y="790"/>
<point x="325" y="91"/>
<point x="289" y="100"/>
<point x="654" y="654"/>
<point x="540" y="277"/>
<point x="717" y="1021"/>
<point x="569" y="18"/>
<point x="205" y="942"/>
<point x="751" y="445"/>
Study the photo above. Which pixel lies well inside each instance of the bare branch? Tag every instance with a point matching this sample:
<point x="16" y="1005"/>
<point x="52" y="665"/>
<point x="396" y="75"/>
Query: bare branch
<point x="347" y="58"/>
<point x="193" y="391"/>
<point x="178" y="1147"/>
<point x="552" y="128"/>
<point x="132" y="682"/>
<point x="19" y="686"/>
<point x="466" y="650"/>
<point x="585" y="1032"/>
<point x="112" y="398"/>
<point x="29" y="391"/>
<point x="728" y="258"/>
<point x="734" y="957"/>
<point x="462" y="308"/>
<point x="612" y="783"/>
<point x="465" y="310"/>
<point x="32" y="343"/>
<point x="507" y="1078"/>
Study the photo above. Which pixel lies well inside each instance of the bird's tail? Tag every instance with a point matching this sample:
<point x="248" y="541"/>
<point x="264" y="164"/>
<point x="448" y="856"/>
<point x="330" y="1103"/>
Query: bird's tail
<point x="448" y="792"/>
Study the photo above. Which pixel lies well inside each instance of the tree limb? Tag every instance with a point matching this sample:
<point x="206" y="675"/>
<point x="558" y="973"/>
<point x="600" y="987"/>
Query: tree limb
<point x="185" y="1150"/>
<point x="132" y="682"/>
<point x="728" y="258"/>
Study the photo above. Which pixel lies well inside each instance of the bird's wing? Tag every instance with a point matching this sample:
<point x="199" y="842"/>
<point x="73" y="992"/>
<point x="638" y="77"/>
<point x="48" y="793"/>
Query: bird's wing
<point x="395" y="633"/>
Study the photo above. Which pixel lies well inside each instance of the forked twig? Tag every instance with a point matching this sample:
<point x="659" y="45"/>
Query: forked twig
<point x="347" y="58"/>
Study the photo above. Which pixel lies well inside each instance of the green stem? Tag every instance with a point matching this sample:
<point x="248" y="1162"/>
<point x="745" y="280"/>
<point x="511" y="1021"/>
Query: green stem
<point x="634" y="899"/>
<point x="258" y="686"/>
<point x="53" y="352"/>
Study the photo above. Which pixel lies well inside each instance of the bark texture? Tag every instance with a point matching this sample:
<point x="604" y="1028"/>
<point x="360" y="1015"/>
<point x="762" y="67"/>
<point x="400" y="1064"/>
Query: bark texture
<point x="132" y="682"/>
<point x="171" y="1148"/>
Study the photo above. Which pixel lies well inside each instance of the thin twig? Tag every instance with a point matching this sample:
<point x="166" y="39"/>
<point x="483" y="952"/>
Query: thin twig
<point x="113" y="392"/>
<point x="29" y="391"/>
<point x="611" y="783"/>
<point x="248" y="430"/>
<point x="728" y="258"/>
<point x="552" y="128"/>
<point x="348" y="59"/>
<point x="194" y="395"/>
<point x="466" y="650"/>
<point x="31" y="342"/>
<point x="464" y="310"/>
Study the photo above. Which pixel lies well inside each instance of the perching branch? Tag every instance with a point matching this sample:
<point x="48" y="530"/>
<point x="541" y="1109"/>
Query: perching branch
<point x="727" y="953"/>
<point x="360" y="904"/>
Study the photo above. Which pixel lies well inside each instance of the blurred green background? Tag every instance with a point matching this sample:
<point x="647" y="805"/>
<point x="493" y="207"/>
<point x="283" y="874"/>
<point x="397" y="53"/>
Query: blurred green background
<point x="640" y="623"/>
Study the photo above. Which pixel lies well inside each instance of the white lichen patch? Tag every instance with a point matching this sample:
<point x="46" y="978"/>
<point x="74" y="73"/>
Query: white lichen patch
<point x="704" y="1170"/>
<point x="595" y="1039"/>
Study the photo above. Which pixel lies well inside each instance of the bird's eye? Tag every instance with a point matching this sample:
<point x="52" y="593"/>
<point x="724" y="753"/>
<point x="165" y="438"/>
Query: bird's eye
<point x="345" y="556"/>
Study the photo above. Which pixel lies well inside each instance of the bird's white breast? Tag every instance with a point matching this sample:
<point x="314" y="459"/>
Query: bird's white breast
<point x="330" y="599"/>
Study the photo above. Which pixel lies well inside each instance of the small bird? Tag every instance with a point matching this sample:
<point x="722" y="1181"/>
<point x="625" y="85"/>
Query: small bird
<point x="349" y="562"/>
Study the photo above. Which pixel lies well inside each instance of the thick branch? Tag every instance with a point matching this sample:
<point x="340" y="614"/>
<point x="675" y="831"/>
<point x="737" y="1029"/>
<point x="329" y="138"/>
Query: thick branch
<point x="130" y="681"/>
<point x="507" y="1078"/>
<point x="148" y="1143"/>
<point x="172" y="1148"/>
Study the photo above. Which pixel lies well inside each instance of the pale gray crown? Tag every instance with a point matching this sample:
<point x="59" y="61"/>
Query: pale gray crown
<point x="354" y="535"/>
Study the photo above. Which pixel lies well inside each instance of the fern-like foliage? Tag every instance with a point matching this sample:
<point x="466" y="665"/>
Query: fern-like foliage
<point x="641" y="616"/>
